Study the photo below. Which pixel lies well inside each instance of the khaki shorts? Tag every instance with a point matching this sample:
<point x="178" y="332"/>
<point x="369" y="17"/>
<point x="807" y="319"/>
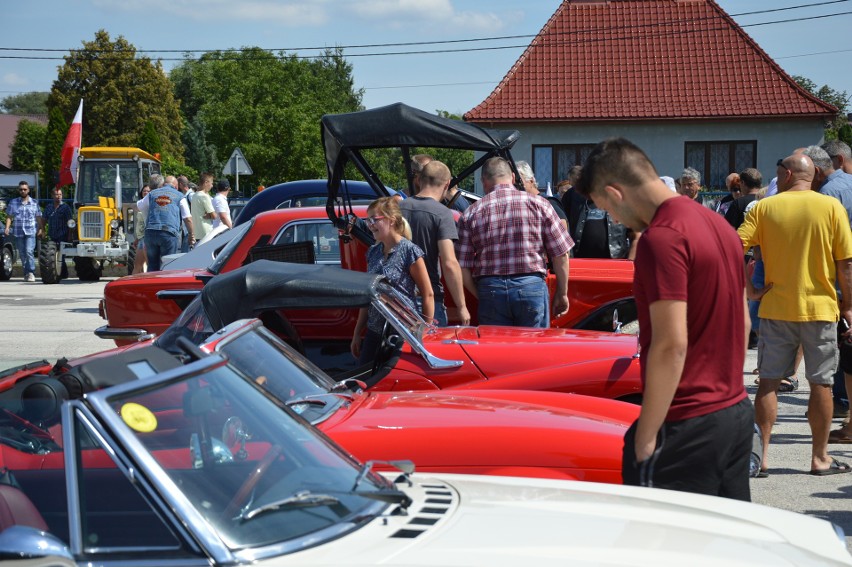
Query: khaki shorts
<point x="780" y="340"/>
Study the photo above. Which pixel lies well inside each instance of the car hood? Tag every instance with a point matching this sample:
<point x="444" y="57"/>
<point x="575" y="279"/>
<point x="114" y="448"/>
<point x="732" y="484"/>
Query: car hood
<point x="504" y="433"/>
<point x="487" y="345"/>
<point x="465" y="520"/>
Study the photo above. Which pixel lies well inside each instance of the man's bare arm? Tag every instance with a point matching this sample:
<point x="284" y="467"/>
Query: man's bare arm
<point x="560" y="296"/>
<point x="665" y="359"/>
<point x="469" y="282"/>
<point x="844" y="276"/>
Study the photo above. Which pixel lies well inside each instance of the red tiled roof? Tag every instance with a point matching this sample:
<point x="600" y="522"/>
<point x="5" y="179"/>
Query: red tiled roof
<point x="640" y="60"/>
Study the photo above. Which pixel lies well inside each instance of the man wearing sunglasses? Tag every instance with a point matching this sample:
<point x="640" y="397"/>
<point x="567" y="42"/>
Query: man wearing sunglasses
<point x="28" y="224"/>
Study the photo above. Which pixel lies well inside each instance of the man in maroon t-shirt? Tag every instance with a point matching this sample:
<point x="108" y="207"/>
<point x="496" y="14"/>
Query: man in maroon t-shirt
<point x="694" y="431"/>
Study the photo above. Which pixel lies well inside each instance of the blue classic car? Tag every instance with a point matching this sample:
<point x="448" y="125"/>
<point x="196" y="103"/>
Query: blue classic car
<point x="303" y="193"/>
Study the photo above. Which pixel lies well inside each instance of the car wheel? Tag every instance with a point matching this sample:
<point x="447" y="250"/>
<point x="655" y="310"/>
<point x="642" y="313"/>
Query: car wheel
<point x="49" y="263"/>
<point x="6" y="263"/>
<point x="88" y="270"/>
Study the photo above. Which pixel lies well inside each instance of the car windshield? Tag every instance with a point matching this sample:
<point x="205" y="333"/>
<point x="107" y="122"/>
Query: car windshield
<point x="192" y="324"/>
<point x="283" y="372"/>
<point x="249" y="467"/>
<point x="226" y="252"/>
<point x="388" y="301"/>
<point x="99" y="179"/>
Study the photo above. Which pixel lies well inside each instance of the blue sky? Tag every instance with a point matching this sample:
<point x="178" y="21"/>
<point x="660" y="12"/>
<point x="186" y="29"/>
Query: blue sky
<point x="456" y="82"/>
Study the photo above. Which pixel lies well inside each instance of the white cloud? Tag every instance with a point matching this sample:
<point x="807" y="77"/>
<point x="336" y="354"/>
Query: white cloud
<point x="283" y="12"/>
<point x="405" y="13"/>
<point x="14" y="80"/>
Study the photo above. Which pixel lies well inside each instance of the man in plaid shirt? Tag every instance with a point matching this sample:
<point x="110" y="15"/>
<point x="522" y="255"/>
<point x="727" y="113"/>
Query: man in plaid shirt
<point x="27" y="226"/>
<point x="504" y="240"/>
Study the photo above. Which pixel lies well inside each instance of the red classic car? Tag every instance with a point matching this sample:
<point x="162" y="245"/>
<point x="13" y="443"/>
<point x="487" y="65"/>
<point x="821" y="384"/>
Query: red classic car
<point x="516" y="433"/>
<point x="597" y="288"/>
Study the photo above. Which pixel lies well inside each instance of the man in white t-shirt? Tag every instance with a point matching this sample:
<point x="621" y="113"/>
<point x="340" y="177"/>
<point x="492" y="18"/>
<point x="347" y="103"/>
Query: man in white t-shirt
<point x="202" y="207"/>
<point x="220" y="204"/>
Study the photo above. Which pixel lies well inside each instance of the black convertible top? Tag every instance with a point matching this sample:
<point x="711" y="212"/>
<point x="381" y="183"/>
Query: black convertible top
<point x="265" y="285"/>
<point x="401" y="126"/>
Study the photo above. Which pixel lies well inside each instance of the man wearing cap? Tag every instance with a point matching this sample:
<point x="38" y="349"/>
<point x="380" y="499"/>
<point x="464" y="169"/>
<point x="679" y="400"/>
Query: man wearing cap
<point x="220" y="205"/>
<point x="165" y="207"/>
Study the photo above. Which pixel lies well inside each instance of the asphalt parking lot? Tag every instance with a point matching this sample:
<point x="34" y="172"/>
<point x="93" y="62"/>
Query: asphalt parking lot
<point x="50" y="321"/>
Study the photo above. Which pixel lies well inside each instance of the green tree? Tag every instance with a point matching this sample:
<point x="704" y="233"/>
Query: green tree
<point x="54" y="139"/>
<point x="150" y="140"/>
<point x="199" y="153"/>
<point x="121" y="94"/>
<point x="28" y="146"/>
<point x="269" y="105"/>
<point x="25" y="103"/>
<point x="833" y="97"/>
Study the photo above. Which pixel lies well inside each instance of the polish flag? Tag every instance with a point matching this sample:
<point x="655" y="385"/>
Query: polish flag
<point x="71" y="149"/>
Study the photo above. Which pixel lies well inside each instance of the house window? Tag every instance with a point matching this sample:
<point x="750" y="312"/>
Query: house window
<point x="716" y="160"/>
<point x="551" y="164"/>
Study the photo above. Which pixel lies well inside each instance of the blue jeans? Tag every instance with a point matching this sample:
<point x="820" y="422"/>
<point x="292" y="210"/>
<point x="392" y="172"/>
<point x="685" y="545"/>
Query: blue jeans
<point x="26" y="251"/>
<point x="518" y="301"/>
<point x="159" y="243"/>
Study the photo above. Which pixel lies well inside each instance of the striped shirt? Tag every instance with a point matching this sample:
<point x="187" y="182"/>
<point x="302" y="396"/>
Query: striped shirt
<point x="510" y="232"/>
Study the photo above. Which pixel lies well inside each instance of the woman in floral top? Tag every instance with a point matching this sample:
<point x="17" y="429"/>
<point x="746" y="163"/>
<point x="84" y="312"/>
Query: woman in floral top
<point x="398" y="259"/>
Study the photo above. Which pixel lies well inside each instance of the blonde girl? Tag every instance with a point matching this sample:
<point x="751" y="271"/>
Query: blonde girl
<point x="398" y="259"/>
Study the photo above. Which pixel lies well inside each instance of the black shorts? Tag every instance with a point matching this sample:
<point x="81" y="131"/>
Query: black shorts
<point x="708" y="454"/>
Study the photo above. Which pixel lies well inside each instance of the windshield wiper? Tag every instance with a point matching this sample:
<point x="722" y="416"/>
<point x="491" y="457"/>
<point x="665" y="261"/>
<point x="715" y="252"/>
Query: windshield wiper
<point x="312" y="399"/>
<point x="301" y="499"/>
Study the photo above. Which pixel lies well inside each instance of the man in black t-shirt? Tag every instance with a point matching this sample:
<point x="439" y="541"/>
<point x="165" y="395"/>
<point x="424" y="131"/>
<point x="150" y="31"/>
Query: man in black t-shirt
<point x="750" y="181"/>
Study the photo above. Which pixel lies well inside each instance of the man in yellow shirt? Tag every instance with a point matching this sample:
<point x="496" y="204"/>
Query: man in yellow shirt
<point x="806" y="245"/>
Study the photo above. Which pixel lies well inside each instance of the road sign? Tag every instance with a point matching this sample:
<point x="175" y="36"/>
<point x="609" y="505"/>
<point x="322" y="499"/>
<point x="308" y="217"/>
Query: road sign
<point x="237" y="164"/>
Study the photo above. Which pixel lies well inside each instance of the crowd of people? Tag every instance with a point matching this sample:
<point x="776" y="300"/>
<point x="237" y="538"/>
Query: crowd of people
<point x="172" y="215"/>
<point x="775" y="271"/>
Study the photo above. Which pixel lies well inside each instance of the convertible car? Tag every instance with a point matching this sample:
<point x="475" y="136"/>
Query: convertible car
<point x="314" y="308"/>
<point x="199" y="465"/>
<point x="598" y="289"/>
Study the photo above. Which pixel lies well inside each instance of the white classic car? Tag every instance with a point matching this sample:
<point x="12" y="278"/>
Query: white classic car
<point x="200" y="465"/>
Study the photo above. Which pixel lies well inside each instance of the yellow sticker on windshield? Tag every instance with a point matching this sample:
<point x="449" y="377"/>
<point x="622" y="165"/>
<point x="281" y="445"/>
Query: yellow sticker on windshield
<point x="138" y="417"/>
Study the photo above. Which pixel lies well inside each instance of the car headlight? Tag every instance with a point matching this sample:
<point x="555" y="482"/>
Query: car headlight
<point x="72" y="223"/>
<point x="113" y="224"/>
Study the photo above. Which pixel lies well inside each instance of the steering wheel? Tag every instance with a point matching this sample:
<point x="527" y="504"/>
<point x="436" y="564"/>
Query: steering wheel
<point x="384" y="351"/>
<point x="251" y="481"/>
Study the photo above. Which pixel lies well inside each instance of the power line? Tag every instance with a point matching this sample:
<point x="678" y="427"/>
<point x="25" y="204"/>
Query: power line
<point x="441" y="42"/>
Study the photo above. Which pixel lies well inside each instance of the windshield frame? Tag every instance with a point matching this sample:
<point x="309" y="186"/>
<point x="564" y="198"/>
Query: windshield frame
<point x="411" y="326"/>
<point x="228" y="251"/>
<point x="322" y="381"/>
<point x="121" y="439"/>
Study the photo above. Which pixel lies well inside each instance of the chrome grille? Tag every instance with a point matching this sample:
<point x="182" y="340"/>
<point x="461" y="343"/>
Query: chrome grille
<point x="91" y="225"/>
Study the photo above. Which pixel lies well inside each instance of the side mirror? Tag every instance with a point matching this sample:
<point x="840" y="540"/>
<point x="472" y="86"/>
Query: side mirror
<point x="26" y="543"/>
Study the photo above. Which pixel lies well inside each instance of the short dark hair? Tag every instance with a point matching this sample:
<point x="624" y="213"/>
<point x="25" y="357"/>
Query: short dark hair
<point x="223" y="185"/>
<point x="751" y="178"/>
<point x="615" y="160"/>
